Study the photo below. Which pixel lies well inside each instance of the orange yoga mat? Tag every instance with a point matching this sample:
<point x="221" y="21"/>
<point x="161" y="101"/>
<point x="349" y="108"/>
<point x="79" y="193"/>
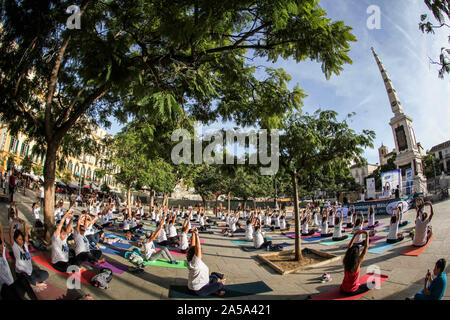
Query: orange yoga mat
<point x="337" y="295"/>
<point x="45" y="261"/>
<point x="415" y="251"/>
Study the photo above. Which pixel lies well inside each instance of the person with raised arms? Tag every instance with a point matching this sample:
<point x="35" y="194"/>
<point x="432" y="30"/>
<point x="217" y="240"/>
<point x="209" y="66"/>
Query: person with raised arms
<point x="337" y="232"/>
<point x="371" y="217"/>
<point x="422" y="231"/>
<point x="24" y="268"/>
<point x="150" y="252"/>
<point x="183" y="238"/>
<point x="249" y="228"/>
<point x="324" y="227"/>
<point x="82" y="250"/>
<point x="259" y="241"/>
<point x="200" y="282"/>
<point x="60" y="248"/>
<point x="350" y="216"/>
<point x="394" y="236"/>
<point x="352" y="262"/>
<point x="305" y="225"/>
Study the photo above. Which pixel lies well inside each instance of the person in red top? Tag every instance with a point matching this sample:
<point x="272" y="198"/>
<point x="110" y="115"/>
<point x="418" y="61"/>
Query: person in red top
<point x="352" y="262"/>
<point x="12" y="186"/>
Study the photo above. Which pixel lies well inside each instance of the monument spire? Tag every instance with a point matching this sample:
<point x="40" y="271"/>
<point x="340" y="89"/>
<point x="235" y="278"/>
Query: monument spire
<point x="396" y="106"/>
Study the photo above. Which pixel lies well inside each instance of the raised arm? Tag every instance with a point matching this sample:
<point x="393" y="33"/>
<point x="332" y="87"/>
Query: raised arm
<point x="431" y="209"/>
<point x="61" y="222"/>
<point x="155" y="234"/>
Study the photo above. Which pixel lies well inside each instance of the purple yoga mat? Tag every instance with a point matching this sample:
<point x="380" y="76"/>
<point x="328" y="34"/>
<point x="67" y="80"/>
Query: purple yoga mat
<point x="116" y="267"/>
<point x="375" y="238"/>
<point x="379" y="225"/>
<point x="292" y="235"/>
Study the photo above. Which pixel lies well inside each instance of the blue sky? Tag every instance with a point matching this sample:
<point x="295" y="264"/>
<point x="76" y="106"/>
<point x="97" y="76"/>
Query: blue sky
<point x="405" y="53"/>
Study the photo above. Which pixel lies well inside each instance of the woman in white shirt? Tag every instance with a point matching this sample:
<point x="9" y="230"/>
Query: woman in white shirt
<point x="337" y="232"/>
<point x="422" y="232"/>
<point x="331" y="217"/>
<point x="183" y="239"/>
<point x="60" y="249"/>
<point x="24" y="267"/>
<point x="200" y="282"/>
<point x="37" y="217"/>
<point x="150" y="252"/>
<point x="350" y="214"/>
<point x="305" y="226"/>
<point x="258" y="238"/>
<point x="371" y="217"/>
<point x="324" y="227"/>
<point x="82" y="249"/>
<point x="393" y="235"/>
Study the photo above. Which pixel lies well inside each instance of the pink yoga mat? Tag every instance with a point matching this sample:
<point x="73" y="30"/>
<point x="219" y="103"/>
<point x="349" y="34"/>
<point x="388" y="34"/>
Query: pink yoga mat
<point x="175" y="252"/>
<point x="337" y="295"/>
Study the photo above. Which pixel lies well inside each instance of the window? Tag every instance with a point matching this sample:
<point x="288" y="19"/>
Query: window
<point x="82" y="171"/>
<point x="13" y="144"/>
<point x="24" y="150"/>
<point x="401" y="138"/>
<point x="440" y="155"/>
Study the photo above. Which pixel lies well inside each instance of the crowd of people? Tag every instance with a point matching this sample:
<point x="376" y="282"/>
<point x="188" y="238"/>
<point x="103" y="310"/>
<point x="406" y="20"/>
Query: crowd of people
<point x="79" y="238"/>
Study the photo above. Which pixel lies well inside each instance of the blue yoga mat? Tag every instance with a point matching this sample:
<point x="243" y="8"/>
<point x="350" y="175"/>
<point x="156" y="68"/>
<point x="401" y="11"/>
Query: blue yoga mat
<point x="383" y="247"/>
<point x="331" y="242"/>
<point x="118" y="251"/>
<point x="245" y="241"/>
<point x="110" y="235"/>
<point x="231" y="291"/>
<point x="121" y="245"/>
<point x="314" y="238"/>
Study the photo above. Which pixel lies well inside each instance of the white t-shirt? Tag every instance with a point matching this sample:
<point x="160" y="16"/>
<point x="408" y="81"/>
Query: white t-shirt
<point x="324" y="227"/>
<point x="153" y="215"/>
<point x="331" y="219"/>
<point x="233" y="224"/>
<point x="58" y="214"/>
<point x="23" y="258"/>
<point x="198" y="274"/>
<point x="282" y="223"/>
<point x="202" y="221"/>
<point x="268" y="221"/>
<point x="277" y="222"/>
<point x="5" y="272"/>
<point x="258" y="239"/>
<point x="172" y="231"/>
<point x="337" y="232"/>
<point x="393" y="230"/>
<point x="42" y="192"/>
<point x="81" y="243"/>
<point x="60" y="249"/>
<point x="249" y="232"/>
<point x="126" y="224"/>
<point x="161" y="236"/>
<point x="184" y="244"/>
<point x="133" y="222"/>
<point x="371" y="219"/>
<point x="420" y="233"/>
<point x="359" y="238"/>
<point x="149" y="249"/>
<point x="36" y="213"/>
<point x="349" y="217"/>
<point x="305" y="227"/>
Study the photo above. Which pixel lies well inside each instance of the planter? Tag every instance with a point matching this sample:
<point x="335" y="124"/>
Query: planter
<point x="283" y="262"/>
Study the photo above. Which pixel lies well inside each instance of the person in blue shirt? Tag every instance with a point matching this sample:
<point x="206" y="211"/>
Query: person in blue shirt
<point x="435" y="290"/>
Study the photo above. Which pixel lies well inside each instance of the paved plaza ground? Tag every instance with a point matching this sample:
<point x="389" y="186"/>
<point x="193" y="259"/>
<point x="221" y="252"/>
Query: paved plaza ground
<point x="406" y="273"/>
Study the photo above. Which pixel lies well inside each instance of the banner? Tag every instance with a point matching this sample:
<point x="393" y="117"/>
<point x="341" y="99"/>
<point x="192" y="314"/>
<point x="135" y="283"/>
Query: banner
<point x="409" y="180"/>
<point x="370" y="185"/>
<point x="389" y="182"/>
<point x="386" y="206"/>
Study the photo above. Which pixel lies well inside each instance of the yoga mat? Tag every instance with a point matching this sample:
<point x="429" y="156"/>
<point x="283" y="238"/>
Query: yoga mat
<point x="166" y="264"/>
<point x="379" y="225"/>
<point x="251" y="249"/>
<point x="315" y="238"/>
<point x="331" y="242"/>
<point x="50" y="293"/>
<point x="45" y="261"/>
<point x="375" y="238"/>
<point x="415" y="251"/>
<point x="116" y="267"/>
<point x="337" y="295"/>
<point x="383" y="247"/>
<point x="231" y="291"/>
<point x="121" y="245"/>
<point x="117" y="251"/>
<point x="110" y="235"/>
<point x="291" y="235"/>
<point x="245" y="241"/>
<point x="174" y="252"/>
<point x="387" y="229"/>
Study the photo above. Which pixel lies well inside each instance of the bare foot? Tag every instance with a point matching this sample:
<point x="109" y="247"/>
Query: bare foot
<point x="41" y="285"/>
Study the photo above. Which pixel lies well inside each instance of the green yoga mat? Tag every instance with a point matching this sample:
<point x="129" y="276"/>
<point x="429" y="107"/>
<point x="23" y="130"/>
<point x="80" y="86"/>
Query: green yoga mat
<point x="166" y="264"/>
<point x="331" y="242"/>
<point x="231" y="291"/>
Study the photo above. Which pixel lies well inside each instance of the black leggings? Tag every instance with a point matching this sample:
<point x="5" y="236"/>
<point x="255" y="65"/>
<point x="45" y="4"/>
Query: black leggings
<point x="362" y="288"/>
<point x="62" y="266"/>
<point x="340" y="238"/>
<point x="310" y="233"/>
<point x="323" y="235"/>
<point x="394" y="241"/>
<point x="37" y="276"/>
<point x="92" y="256"/>
<point x="16" y="291"/>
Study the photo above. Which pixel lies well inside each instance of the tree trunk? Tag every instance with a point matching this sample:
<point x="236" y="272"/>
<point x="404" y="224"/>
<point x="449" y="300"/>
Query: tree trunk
<point x="229" y="201"/>
<point x="129" y="201"/>
<point x="49" y="190"/>
<point x="298" y="252"/>
<point x="152" y="199"/>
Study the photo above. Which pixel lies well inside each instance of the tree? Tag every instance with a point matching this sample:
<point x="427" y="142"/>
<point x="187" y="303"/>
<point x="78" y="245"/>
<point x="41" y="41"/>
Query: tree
<point x="151" y="59"/>
<point x="66" y="177"/>
<point x="441" y="11"/>
<point x="206" y="182"/>
<point x="27" y="164"/>
<point x="431" y="166"/>
<point x="310" y="143"/>
<point x="37" y="169"/>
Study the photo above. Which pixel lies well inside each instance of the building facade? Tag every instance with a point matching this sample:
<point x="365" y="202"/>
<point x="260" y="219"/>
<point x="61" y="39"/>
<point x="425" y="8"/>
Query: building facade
<point x="442" y="154"/>
<point x="83" y="169"/>
<point x="360" y="173"/>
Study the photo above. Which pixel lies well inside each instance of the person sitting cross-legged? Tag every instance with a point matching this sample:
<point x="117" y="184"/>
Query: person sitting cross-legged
<point x="82" y="250"/>
<point x="200" y="282"/>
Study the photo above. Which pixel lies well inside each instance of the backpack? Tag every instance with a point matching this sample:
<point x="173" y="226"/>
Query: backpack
<point x="102" y="279"/>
